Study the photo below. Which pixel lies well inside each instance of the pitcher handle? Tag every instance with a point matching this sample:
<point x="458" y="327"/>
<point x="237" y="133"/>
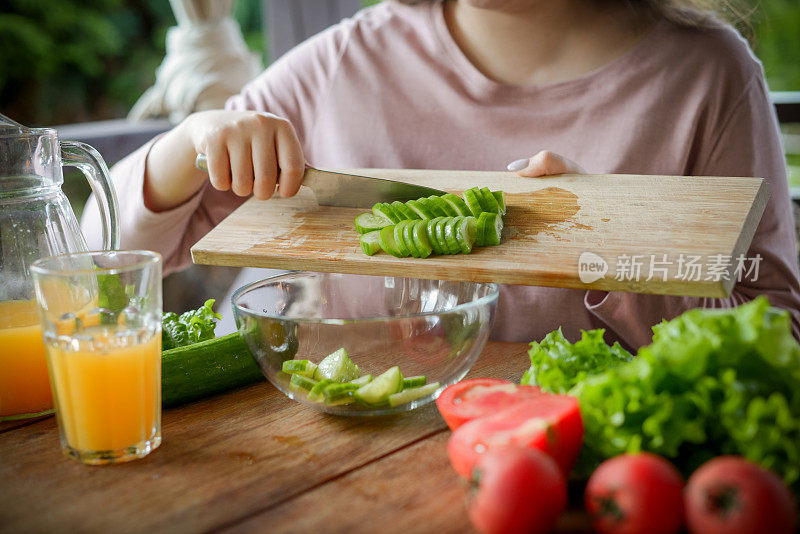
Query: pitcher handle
<point x="90" y="163"/>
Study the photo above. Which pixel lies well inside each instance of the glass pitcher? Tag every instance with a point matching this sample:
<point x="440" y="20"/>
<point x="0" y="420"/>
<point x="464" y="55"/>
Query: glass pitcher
<point x="36" y="220"/>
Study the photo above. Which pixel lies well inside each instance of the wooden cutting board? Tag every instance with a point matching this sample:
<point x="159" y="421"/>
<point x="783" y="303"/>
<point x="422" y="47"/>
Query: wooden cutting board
<point x="667" y="235"/>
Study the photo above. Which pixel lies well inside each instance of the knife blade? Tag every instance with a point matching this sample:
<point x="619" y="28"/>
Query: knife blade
<point x="350" y="190"/>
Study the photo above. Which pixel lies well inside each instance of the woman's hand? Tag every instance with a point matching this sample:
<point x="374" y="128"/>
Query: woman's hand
<point x="545" y="163"/>
<point x="248" y="152"/>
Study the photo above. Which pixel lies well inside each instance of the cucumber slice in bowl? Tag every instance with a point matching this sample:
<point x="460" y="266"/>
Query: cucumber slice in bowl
<point x="419" y="234"/>
<point x="369" y="222"/>
<point x="338" y="367"/>
<point x="414" y="381"/>
<point x="386" y="210"/>
<point x="404" y="211"/>
<point x="412" y="394"/>
<point x="299" y="367"/>
<point x="377" y="392"/>
<point x="388" y="243"/>
<point x="457" y="203"/>
<point x="370" y="243"/>
<point x="398" y="237"/>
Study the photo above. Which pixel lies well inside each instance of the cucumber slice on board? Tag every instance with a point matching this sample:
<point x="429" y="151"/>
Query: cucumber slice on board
<point x="316" y="394"/>
<point x="386" y="210"/>
<point x="420" y="209"/>
<point x="404" y="211"/>
<point x="445" y="207"/>
<point x="361" y="380"/>
<point x="388" y="243"/>
<point x="338" y="367"/>
<point x="369" y="222"/>
<point x="480" y="239"/>
<point x="377" y="392"/>
<point x="414" y="382"/>
<point x="429" y="205"/>
<point x="473" y="201"/>
<point x="398" y="238"/>
<point x="500" y="198"/>
<point x="437" y="206"/>
<point x="408" y="239"/>
<point x="299" y="367"/>
<point x="457" y="203"/>
<point x="432" y="237"/>
<point x="302" y="382"/>
<point x="370" y="243"/>
<point x="466" y="232"/>
<point x="487" y="200"/>
<point x="493" y="228"/>
<point x="440" y="235"/>
<point x="419" y="234"/>
<point x="408" y="395"/>
<point x="450" y="235"/>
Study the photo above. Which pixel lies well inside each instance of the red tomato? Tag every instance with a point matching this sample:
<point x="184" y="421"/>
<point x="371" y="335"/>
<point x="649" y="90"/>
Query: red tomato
<point x="518" y="491"/>
<point x="731" y="495"/>
<point x="549" y="423"/>
<point x="635" y="493"/>
<point x="470" y="399"/>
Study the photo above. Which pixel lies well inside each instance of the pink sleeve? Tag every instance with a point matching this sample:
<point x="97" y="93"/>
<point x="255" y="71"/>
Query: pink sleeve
<point x="290" y="88"/>
<point x="747" y="144"/>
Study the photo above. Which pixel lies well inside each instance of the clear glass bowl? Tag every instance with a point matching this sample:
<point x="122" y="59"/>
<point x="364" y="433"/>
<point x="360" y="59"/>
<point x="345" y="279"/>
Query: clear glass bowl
<point x="433" y="328"/>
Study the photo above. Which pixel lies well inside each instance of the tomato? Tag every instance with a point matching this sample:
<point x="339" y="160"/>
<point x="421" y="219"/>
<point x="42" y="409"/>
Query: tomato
<point x="549" y="423"/>
<point x="731" y="495"/>
<point x="635" y="493"/>
<point x="470" y="399"/>
<point x="518" y="491"/>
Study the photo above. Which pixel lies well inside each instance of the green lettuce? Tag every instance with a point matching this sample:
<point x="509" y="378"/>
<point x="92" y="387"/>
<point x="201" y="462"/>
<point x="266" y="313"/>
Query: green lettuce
<point x="189" y="327"/>
<point x="712" y="382"/>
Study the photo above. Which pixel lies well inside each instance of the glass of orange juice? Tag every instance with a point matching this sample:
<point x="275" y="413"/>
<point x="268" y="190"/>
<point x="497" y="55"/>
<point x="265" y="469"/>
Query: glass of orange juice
<point x="100" y="315"/>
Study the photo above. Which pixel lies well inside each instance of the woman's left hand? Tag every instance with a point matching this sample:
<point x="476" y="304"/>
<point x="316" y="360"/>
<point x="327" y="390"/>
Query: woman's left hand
<point x="545" y="163"/>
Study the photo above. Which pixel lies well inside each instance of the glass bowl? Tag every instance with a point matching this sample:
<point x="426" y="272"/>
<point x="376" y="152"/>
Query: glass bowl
<point x="430" y="328"/>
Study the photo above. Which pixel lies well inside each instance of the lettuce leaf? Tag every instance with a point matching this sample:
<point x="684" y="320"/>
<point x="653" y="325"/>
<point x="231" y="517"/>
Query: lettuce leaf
<point x="712" y="382"/>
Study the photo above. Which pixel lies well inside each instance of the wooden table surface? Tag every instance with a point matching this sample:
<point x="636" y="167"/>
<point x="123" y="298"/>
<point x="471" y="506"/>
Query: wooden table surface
<point x="252" y="460"/>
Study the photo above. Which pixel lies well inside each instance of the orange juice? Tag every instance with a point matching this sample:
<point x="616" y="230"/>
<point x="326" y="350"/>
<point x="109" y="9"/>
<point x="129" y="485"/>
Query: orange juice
<point x="24" y="384"/>
<point x="108" y="391"/>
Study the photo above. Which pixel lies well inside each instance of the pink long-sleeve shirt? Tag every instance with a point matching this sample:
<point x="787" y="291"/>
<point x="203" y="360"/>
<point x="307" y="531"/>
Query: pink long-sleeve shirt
<point x="390" y="88"/>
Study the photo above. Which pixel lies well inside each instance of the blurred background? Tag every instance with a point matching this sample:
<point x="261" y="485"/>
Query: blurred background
<point x="84" y="65"/>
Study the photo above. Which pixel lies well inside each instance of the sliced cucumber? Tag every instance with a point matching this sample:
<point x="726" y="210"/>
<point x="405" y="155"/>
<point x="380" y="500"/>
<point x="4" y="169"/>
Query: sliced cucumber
<point x="316" y="392"/>
<point x="299" y="367"/>
<point x="338" y="367"/>
<point x="440" y="235"/>
<point x="408" y="239"/>
<point x="336" y="393"/>
<point x="435" y="203"/>
<point x="466" y="232"/>
<point x="302" y="382"/>
<point x="386" y="210"/>
<point x="377" y="392"/>
<point x="429" y="205"/>
<point x="472" y="196"/>
<point x="500" y="198"/>
<point x="487" y="200"/>
<point x="420" y="209"/>
<point x="388" y="243"/>
<point x="480" y="239"/>
<point x="414" y="382"/>
<point x="408" y="395"/>
<point x="419" y="234"/>
<point x="369" y="222"/>
<point x="404" y="211"/>
<point x="430" y="230"/>
<point x="361" y="380"/>
<point x="447" y="209"/>
<point x="457" y="203"/>
<point x="370" y="243"/>
<point x="493" y="228"/>
<point x="398" y="238"/>
<point x="450" y="235"/>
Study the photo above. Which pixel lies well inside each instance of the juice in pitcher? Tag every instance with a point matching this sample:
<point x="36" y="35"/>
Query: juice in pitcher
<point x="24" y="383"/>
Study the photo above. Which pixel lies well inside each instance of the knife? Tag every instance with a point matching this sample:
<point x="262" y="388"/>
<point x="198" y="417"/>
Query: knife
<point x="351" y="190"/>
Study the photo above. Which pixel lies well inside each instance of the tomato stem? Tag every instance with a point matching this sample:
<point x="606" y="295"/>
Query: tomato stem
<point x="722" y="500"/>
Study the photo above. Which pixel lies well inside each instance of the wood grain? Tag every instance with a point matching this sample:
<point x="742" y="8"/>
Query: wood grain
<point x="222" y="460"/>
<point x="549" y="224"/>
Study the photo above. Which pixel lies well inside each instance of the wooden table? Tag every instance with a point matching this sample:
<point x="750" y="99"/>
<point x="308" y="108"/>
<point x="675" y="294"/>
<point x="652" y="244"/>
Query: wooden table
<point x="253" y="460"/>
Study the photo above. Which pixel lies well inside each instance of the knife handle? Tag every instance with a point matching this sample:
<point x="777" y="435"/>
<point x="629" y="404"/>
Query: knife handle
<point x="201" y="162"/>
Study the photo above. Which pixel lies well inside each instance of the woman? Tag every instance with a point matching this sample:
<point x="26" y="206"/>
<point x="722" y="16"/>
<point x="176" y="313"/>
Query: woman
<point x="616" y="86"/>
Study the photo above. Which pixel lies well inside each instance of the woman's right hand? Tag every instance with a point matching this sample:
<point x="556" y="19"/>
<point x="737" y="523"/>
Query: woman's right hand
<point x="248" y="152"/>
